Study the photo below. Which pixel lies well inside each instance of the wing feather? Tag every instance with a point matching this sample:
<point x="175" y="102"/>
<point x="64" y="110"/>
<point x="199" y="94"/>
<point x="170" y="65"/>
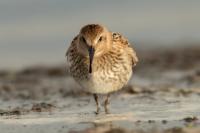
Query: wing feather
<point x="117" y="37"/>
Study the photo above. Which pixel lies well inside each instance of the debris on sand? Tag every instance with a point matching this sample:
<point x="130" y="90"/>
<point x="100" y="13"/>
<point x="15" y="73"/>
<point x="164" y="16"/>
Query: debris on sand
<point x="151" y="121"/>
<point x="164" y="121"/>
<point x="38" y="107"/>
<point x="42" y="107"/>
<point x="16" y="111"/>
<point x="190" y="119"/>
<point x="6" y="113"/>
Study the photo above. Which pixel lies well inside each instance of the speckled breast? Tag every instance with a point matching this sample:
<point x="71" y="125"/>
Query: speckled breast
<point x="107" y="76"/>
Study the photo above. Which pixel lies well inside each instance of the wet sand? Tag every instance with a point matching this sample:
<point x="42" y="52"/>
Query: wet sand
<point x="162" y="97"/>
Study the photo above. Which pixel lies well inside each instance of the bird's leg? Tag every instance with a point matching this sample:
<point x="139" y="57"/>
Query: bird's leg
<point x="97" y="103"/>
<point x="106" y="103"/>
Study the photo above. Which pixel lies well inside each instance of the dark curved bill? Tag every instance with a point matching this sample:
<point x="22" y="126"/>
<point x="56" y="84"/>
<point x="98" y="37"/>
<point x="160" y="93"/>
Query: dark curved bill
<point x="91" y="55"/>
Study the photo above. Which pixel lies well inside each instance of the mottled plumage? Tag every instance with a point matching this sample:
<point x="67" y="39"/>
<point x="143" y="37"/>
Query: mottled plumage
<point x="111" y="58"/>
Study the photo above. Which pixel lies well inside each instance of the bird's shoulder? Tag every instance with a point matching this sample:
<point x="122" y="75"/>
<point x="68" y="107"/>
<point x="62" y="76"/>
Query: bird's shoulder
<point x="123" y="43"/>
<point x="119" y="39"/>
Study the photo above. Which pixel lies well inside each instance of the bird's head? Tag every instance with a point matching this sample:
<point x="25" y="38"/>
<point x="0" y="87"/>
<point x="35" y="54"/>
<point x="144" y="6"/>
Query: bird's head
<point x="94" y="41"/>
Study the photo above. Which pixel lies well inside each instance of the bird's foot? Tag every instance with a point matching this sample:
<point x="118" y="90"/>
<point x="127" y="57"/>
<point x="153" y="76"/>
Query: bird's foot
<point x="107" y="111"/>
<point x="97" y="111"/>
<point x="106" y="103"/>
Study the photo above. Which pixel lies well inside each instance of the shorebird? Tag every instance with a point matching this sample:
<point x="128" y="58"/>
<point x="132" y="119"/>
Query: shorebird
<point x="100" y="61"/>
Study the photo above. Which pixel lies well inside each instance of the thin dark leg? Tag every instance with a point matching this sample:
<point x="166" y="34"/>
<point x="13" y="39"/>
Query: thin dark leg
<point x="97" y="103"/>
<point x="106" y="103"/>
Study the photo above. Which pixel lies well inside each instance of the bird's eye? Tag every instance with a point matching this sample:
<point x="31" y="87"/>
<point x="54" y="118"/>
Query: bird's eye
<point x="83" y="39"/>
<point x="100" y="39"/>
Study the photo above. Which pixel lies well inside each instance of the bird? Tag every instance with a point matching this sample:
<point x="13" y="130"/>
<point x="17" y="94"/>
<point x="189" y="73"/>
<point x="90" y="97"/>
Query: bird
<point x="100" y="61"/>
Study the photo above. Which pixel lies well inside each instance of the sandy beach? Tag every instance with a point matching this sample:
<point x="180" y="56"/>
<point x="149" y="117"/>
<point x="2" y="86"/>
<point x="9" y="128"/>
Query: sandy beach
<point x="162" y="97"/>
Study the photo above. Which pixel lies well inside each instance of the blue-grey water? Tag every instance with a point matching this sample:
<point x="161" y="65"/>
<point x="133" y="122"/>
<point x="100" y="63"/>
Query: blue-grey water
<point x="38" y="32"/>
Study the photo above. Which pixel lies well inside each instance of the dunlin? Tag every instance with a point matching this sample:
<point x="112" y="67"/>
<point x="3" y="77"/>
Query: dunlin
<point x="100" y="61"/>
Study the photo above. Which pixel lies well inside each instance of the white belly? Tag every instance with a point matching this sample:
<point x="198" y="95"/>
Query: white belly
<point x="100" y="83"/>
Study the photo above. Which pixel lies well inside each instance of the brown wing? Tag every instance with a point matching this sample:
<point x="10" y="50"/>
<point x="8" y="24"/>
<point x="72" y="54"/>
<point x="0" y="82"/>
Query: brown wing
<point x="129" y="48"/>
<point x="72" y="47"/>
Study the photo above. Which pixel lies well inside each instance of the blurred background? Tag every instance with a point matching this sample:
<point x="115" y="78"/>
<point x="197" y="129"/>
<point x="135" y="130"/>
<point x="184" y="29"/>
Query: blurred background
<point x="37" y="93"/>
<point x="39" y="31"/>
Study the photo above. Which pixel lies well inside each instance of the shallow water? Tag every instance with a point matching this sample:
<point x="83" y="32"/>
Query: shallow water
<point x="145" y="112"/>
